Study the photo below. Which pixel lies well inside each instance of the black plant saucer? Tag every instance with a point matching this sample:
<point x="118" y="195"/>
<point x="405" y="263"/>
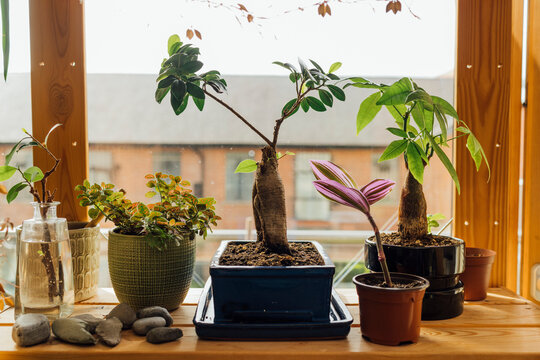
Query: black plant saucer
<point x="337" y="327"/>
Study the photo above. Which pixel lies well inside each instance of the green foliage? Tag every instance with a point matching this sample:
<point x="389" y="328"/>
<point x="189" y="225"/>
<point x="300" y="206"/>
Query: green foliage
<point x="177" y="213"/>
<point x="31" y="175"/>
<point x="433" y="221"/>
<point x="4" y="5"/>
<point x="414" y="112"/>
<point x="246" y="166"/>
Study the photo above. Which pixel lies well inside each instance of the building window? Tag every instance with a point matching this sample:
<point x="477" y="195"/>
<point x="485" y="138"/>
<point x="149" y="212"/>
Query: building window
<point x="308" y="203"/>
<point x="238" y="185"/>
<point x="388" y="169"/>
<point x="100" y="164"/>
<point x="167" y="163"/>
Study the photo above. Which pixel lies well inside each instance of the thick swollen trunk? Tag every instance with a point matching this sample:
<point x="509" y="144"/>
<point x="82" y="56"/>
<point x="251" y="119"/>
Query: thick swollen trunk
<point x="412" y="210"/>
<point x="269" y="204"/>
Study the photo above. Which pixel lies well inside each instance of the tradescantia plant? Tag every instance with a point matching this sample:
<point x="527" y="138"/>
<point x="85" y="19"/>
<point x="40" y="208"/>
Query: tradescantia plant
<point x="415" y="113"/>
<point x="180" y="76"/>
<point x="176" y="214"/>
<point x="335" y="184"/>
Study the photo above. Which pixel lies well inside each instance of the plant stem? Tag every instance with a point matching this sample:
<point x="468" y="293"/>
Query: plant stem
<point x="261" y="135"/>
<point x="380" y="252"/>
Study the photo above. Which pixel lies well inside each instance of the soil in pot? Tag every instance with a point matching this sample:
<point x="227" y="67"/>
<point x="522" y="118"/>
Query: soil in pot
<point x="478" y="263"/>
<point x="256" y="254"/>
<point x="427" y="240"/>
<point x="390" y="316"/>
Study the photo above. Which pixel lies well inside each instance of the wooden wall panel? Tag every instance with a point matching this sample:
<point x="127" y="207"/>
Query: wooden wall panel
<point x="488" y="84"/>
<point x="531" y="184"/>
<point x="59" y="94"/>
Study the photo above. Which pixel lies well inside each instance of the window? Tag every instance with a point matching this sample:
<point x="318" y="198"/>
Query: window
<point x="167" y="163"/>
<point x="308" y="203"/>
<point x="238" y="185"/>
<point x="100" y="165"/>
<point x="386" y="170"/>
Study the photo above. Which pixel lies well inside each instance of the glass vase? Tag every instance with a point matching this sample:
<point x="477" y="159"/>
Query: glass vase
<point x="44" y="270"/>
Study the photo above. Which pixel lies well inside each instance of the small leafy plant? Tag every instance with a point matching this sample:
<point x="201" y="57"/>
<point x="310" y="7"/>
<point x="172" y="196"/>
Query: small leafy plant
<point x="179" y="75"/>
<point x="415" y="113"/>
<point x="177" y="214"/>
<point x="335" y="184"/>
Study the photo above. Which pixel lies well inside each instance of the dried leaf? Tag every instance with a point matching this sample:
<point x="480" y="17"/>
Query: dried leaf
<point x="242" y="7"/>
<point x="328" y="11"/>
<point x="3" y="189"/>
<point x="321" y="10"/>
<point x="189" y="34"/>
<point x="198" y="34"/>
<point x="250" y="18"/>
<point x="9" y="301"/>
<point x="393" y="6"/>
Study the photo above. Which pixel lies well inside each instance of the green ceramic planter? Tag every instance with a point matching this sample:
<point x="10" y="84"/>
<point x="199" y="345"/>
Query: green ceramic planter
<point x="143" y="276"/>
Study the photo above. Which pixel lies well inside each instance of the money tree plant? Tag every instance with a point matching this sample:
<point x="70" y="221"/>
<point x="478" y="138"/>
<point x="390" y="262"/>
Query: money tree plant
<point x="335" y="184"/>
<point x="422" y="130"/>
<point x="314" y="88"/>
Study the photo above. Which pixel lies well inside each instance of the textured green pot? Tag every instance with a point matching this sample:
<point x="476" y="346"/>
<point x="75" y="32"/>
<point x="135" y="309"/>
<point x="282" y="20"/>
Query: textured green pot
<point x="143" y="276"/>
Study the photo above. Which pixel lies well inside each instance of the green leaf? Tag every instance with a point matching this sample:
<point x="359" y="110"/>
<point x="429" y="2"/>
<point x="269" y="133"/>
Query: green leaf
<point x="5" y="34"/>
<point x="6" y="172"/>
<point x="445" y="160"/>
<point x="418" y="115"/>
<point x="178" y="90"/>
<point x="160" y="94"/>
<point x="414" y="160"/>
<point x="9" y="156"/>
<point x="446" y="107"/>
<point x="33" y="174"/>
<point x="421" y="152"/>
<point x="367" y="111"/>
<point x="191" y="67"/>
<point x="178" y="106"/>
<point x="304" y="105"/>
<point x="398" y="132"/>
<point x="393" y="150"/>
<point x="365" y="85"/>
<point x="475" y="149"/>
<point x="428" y="119"/>
<point x="173" y="39"/>
<point x="294" y="77"/>
<point x="337" y="92"/>
<point x="396" y="111"/>
<point x="288" y="107"/>
<point x="195" y="91"/>
<point x="317" y="66"/>
<point x="419" y="95"/>
<point x="246" y="166"/>
<point x="463" y="129"/>
<point x="335" y="66"/>
<point x="315" y="104"/>
<point x="441" y="119"/>
<point x="166" y="82"/>
<point x="199" y="103"/>
<point x="326" y="97"/>
<point x="396" y="94"/>
<point x="14" y="191"/>
<point x="93" y="213"/>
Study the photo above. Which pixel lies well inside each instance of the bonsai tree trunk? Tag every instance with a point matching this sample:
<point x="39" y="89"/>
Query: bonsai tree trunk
<point x="412" y="222"/>
<point x="269" y="204"/>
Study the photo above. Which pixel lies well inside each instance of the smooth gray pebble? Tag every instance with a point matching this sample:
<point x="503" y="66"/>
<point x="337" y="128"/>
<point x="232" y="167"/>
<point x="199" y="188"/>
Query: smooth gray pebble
<point x="31" y="329"/>
<point x="163" y="335"/>
<point x="142" y="326"/>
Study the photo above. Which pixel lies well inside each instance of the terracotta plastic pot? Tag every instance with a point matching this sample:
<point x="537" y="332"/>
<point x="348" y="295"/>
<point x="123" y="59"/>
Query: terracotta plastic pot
<point x="390" y="316"/>
<point x="478" y="263"/>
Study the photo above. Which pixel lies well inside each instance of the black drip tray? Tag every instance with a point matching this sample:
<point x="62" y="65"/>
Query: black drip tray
<point x="337" y="327"/>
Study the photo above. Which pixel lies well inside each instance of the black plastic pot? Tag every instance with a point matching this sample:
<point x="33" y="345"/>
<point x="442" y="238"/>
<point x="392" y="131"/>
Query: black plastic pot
<point x="440" y="265"/>
<point x="443" y="304"/>
<point x="271" y="293"/>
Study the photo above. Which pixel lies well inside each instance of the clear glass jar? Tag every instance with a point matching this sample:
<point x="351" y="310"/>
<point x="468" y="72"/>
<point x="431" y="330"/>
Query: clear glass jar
<point x="44" y="271"/>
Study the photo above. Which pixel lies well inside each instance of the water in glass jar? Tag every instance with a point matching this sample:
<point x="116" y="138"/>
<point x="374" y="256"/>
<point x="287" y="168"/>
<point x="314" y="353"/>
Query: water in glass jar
<point x="46" y="278"/>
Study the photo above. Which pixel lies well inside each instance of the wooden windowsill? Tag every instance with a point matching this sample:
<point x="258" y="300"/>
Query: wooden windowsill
<point x="504" y="326"/>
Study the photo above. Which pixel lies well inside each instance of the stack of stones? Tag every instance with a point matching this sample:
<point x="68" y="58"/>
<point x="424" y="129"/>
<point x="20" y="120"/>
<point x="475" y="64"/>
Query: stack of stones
<point x="153" y="322"/>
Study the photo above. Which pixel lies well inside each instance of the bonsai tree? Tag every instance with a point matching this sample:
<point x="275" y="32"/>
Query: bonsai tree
<point x="335" y="184"/>
<point x="415" y="113"/>
<point x="180" y="76"/>
<point x="35" y="180"/>
<point x="177" y="214"/>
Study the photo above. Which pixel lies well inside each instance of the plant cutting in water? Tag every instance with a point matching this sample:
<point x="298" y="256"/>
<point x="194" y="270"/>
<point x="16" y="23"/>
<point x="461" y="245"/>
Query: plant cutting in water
<point x="178" y="75"/>
<point x="177" y="213"/>
<point x="335" y="184"/>
<point x="42" y="195"/>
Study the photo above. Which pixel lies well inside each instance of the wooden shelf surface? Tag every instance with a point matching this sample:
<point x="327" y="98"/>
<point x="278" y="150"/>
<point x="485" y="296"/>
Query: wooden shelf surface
<point x="504" y="326"/>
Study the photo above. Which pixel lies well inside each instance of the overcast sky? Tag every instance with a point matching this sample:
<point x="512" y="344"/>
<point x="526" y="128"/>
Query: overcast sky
<point x="130" y="36"/>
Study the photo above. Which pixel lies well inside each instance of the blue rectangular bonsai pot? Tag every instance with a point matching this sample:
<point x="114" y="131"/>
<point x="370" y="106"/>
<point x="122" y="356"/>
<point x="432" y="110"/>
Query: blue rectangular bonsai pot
<point x="271" y="293"/>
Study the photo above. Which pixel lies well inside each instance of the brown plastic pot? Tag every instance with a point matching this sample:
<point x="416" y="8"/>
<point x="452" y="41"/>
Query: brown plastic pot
<point x="478" y="264"/>
<point x="390" y="316"/>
